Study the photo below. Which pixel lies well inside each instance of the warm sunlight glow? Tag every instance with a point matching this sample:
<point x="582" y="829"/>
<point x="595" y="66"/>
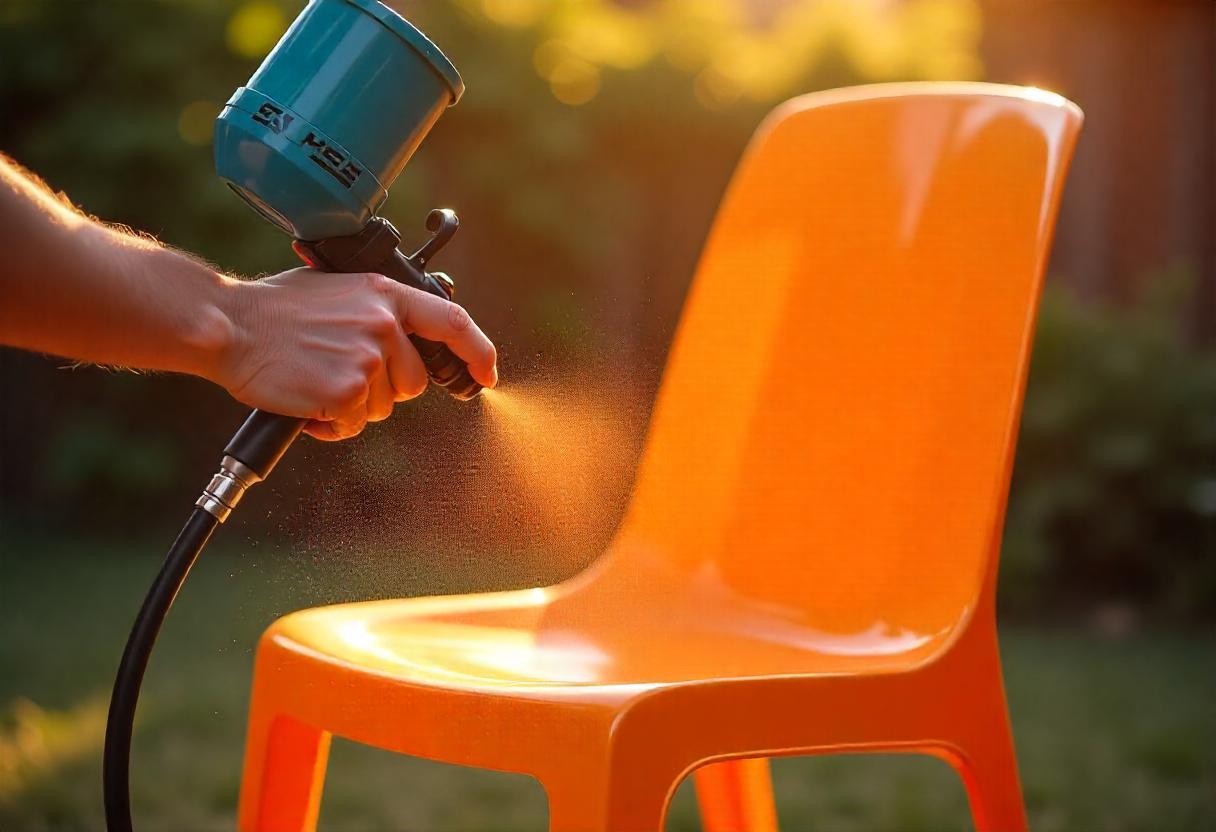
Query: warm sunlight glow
<point x="738" y="48"/>
<point x="1035" y="93"/>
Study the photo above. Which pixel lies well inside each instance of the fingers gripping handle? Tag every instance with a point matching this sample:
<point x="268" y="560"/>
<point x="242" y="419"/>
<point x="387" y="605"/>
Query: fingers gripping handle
<point x="374" y="249"/>
<point x="264" y="437"/>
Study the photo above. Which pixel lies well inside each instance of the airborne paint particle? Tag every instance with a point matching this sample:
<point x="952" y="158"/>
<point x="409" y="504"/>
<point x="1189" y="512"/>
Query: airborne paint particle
<point x="522" y="487"/>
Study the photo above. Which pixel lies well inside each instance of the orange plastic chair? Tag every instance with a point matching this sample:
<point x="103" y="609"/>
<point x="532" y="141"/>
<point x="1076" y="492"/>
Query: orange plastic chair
<point x="808" y="564"/>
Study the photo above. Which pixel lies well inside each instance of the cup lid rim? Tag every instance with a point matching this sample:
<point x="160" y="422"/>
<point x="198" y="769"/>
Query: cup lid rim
<point x="414" y="37"/>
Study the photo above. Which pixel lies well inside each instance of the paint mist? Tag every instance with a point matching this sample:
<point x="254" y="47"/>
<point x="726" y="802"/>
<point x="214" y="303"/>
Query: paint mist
<point x="524" y="486"/>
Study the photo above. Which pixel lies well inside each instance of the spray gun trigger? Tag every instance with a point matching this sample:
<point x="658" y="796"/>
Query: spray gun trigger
<point x="443" y="223"/>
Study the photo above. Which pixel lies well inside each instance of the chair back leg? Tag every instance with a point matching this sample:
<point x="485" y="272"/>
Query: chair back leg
<point x="988" y="765"/>
<point x="736" y="796"/>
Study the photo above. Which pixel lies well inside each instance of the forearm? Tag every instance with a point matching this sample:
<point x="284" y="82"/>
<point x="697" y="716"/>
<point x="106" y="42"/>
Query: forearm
<point x="331" y="348"/>
<point x="73" y="287"/>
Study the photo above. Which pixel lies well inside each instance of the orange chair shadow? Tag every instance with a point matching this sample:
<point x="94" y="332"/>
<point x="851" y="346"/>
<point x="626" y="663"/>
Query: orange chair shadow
<point x="808" y="564"/>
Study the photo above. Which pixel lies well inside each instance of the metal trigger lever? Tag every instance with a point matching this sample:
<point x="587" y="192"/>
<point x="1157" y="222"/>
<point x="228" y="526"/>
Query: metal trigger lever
<point x="443" y="223"/>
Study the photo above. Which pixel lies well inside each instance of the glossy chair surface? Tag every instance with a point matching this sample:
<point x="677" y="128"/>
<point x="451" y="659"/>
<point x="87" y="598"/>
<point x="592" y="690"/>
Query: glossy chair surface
<point x="808" y="563"/>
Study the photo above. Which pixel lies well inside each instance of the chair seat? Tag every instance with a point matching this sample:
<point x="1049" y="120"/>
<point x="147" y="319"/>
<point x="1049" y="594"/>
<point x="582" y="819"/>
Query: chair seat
<point x="515" y="640"/>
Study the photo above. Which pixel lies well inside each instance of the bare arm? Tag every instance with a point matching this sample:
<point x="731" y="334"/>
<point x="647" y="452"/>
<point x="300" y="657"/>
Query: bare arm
<point x="331" y="348"/>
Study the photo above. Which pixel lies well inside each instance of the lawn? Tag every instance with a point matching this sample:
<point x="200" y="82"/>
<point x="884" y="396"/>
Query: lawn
<point x="1113" y="734"/>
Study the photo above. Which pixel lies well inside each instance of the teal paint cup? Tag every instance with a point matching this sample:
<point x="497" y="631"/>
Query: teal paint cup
<point x="318" y="134"/>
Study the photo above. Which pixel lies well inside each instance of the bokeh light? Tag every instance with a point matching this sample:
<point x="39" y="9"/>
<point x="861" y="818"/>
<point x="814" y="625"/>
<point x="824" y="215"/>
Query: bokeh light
<point x="254" y="28"/>
<point x="196" y="122"/>
<point x="574" y="81"/>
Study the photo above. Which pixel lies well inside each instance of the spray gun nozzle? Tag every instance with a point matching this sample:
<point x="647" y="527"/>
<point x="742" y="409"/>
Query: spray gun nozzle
<point x="468" y="392"/>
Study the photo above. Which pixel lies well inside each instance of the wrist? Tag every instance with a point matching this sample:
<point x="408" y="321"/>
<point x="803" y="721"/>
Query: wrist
<point x="215" y="335"/>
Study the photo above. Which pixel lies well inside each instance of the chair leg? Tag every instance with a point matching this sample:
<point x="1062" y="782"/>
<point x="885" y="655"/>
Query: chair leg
<point x="583" y="801"/>
<point x="736" y="796"/>
<point x="284" y="774"/>
<point x="982" y="740"/>
<point x="567" y="813"/>
<point x="989" y="769"/>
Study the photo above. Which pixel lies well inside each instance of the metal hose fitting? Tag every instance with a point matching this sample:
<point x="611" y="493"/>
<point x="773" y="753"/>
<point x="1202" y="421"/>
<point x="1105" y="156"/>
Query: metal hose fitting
<point x="226" y="488"/>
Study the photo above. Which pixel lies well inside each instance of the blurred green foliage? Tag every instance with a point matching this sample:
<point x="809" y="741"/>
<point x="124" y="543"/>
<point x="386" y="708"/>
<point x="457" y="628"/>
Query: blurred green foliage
<point x="1114" y="491"/>
<point x="91" y="96"/>
<point x="1079" y="723"/>
<point x="586" y="159"/>
<point x="93" y="452"/>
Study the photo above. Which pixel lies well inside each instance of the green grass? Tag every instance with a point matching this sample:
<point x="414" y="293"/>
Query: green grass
<point x="1112" y="734"/>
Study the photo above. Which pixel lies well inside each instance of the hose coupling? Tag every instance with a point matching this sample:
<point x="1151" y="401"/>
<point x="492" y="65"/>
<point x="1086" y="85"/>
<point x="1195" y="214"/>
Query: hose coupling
<point x="226" y="488"/>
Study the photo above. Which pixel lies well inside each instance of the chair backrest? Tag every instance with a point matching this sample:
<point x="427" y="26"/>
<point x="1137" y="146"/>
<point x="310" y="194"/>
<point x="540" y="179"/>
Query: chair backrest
<point x="835" y="429"/>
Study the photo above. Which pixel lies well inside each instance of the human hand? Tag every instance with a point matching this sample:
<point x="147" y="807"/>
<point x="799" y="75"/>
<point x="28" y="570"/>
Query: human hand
<point x="333" y="348"/>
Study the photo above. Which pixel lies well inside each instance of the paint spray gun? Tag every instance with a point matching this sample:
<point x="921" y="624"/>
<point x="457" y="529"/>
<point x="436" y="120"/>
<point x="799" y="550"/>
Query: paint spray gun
<point x="312" y="143"/>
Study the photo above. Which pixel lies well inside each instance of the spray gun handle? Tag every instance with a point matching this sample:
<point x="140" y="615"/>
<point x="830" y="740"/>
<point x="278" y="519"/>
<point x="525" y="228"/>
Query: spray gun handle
<point x="374" y="249"/>
<point x="264" y="437"/>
